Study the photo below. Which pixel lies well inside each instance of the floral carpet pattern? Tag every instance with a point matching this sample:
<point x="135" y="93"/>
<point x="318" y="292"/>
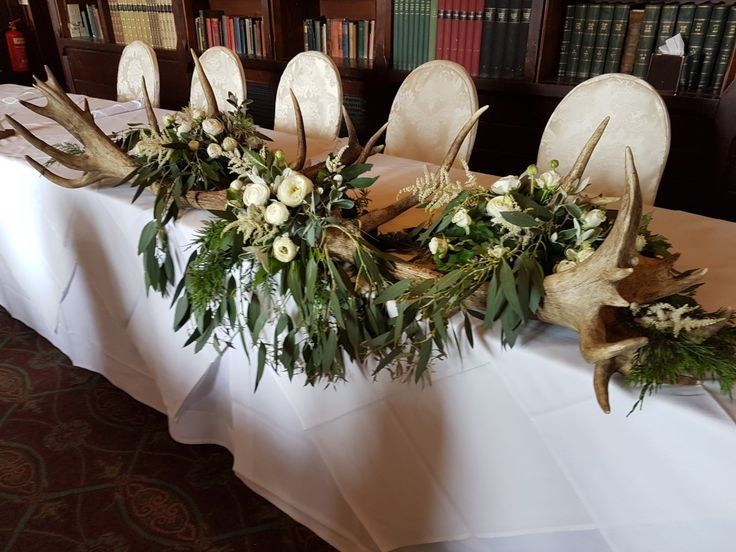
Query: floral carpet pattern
<point x="86" y="468"/>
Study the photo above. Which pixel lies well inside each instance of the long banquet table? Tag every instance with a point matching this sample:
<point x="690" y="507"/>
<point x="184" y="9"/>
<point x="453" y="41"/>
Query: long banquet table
<point x="506" y="451"/>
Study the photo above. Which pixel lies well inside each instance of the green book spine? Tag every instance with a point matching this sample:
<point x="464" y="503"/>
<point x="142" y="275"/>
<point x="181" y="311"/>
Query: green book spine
<point x="411" y="16"/>
<point x="695" y="44"/>
<point x="426" y="22"/>
<point x="521" y="43"/>
<point x="602" y="39"/>
<point x="667" y="22"/>
<point x="616" y="41"/>
<point x="512" y="38"/>
<point x="396" y="42"/>
<point x="361" y="52"/>
<point x="419" y="46"/>
<point x="565" y="44"/>
<point x="486" y="44"/>
<point x="576" y="40"/>
<point x="684" y="25"/>
<point x="592" y="16"/>
<point x="432" y="45"/>
<point x="713" y="37"/>
<point x="499" y="37"/>
<point x="725" y="51"/>
<point x="646" y="39"/>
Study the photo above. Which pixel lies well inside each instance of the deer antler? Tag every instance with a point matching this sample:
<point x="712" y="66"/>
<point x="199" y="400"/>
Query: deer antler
<point x="150" y="114"/>
<point x="209" y="94"/>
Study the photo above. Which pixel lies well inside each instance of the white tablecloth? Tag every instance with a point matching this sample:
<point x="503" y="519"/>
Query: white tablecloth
<point x="506" y="451"/>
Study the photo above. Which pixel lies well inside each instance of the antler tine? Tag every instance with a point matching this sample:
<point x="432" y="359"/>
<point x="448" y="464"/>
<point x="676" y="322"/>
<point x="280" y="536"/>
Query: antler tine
<point x="353" y="151"/>
<point x="150" y="115"/>
<point x="460" y="138"/>
<point x="582" y="161"/>
<point x="301" y="156"/>
<point x="52" y="82"/>
<point x="66" y="159"/>
<point x="368" y="149"/>
<point x="85" y="180"/>
<point x="209" y="94"/>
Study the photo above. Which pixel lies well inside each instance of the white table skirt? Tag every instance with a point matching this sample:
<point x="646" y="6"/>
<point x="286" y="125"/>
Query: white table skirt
<point x="506" y="451"/>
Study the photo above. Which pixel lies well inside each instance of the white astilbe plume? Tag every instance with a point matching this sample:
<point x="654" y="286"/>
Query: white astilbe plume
<point x="238" y="164"/>
<point x="332" y="163"/>
<point x="437" y="189"/>
<point x="151" y="146"/>
<point x="668" y="318"/>
<point x="252" y="224"/>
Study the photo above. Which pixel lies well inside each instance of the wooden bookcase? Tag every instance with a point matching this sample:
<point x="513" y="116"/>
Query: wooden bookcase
<point x="703" y="133"/>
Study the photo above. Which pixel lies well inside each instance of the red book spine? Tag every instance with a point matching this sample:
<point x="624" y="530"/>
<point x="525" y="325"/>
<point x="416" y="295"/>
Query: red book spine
<point x="210" y="32"/>
<point x="231" y="33"/>
<point x="441" y="25"/>
<point x="477" y="36"/>
<point x="467" y="33"/>
<point x="452" y="50"/>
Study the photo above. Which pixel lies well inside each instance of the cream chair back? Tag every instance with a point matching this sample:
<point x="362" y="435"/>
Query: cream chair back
<point x="225" y="73"/>
<point x="315" y="80"/>
<point x="431" y="106"/>
<point x="639" y="119"/>
<point x="138" y="60"/>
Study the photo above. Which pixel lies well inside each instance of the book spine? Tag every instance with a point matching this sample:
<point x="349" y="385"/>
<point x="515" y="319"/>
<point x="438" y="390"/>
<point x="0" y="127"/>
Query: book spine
<point x="725" y="51"/>
<point x="452" y="53"/>
<point x="489" y="17"/>
<point x="647" y="36"/>
<point x="695" y="49"/>
<point x="477" y="37"/>
<point x="602" y="39"/>
<point x="565" y="42"/>
<point x="466" y="35"/>
<point x="361" y="37"/>
<point x="619" y="26"/>
<point x="592" y="16"/>
<point x="432" y="44"/>
<point x="512" y="38"/>
<point x="521" y="43"/>
<point x="372" y="40"/>
<point x="424" y="34"/>
<point x="576" y="41"/>
<point x="447" y="39"/>
<point x="713" y="37"/>
<point x="667" y="23"/>
<point x="403" y="34"/>
<point x="499" y="38"/>
<point x="683" y="26"/>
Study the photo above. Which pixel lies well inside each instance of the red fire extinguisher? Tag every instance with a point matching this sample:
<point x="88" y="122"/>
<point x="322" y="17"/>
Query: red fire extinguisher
<point x="17" y="48"/>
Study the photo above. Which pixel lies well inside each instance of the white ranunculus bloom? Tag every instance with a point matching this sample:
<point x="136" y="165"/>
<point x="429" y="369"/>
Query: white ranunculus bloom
<point x="462" y="218"/>
<point x="256" y="194"/>
<point x="197" y="113"/>
<point x="293" y="189"/>
<point x="438" y="245"/>
<point x="214" y="150"/>
<point x="193" y="145"/>
<point x="641" y="242"/>
<point x="506" y="185"/>
<point x="549" y="180"/>
<point x="213" y="127"/>
<point x="562" y="266"/>
<point x="276" y="213"/>
<point x="237" y="185"/>
<point x="593" y="218"/>
<point x="284" y="249"/>
<point x="183" y="128"/>
<point x="229" y="144"/>
<point x="500" y="204"/>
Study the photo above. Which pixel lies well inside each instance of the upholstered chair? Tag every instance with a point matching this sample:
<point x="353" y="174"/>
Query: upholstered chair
<point x="638" y="119"/>
<point x="138" y="60"/>
<point x="431" y="106"/>
<point x="225" y="73"/>
<point x="315" y="81"/>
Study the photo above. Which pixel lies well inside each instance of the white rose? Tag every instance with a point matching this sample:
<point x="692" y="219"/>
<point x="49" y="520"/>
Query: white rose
<point x="284" y="249"/>
<point x="462" y="219"/>
<point x="169" y="120"/>
<point x="593" y="218"/>
<point x="214" y="150"/>
<point x="256" y="194"/>
<point x="641" y="242"/>
<point x="236" y="185"/>
<point x="213" y="127"/>
<point x="438" y="245"/>
<point x="500" y="204"/>
<point x="549" y="180"/>
<point x="276" y="213"/>
<point x="506" y="185"/>
<point x="293" y="189"/>
<point x="562" y="266"/>
<point x="184" y="128"/>
<point x="193" y="145"/>
<point x="197" y="113"/>
<point x="229" y="144"/>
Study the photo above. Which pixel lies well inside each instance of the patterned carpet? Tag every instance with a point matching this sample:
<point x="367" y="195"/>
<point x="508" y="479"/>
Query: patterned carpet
<point x="86" y="468"/>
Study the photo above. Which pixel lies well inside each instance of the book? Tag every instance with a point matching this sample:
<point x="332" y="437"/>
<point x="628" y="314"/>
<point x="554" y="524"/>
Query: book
<point x="565" y="43"/>
<point x="602" y="38"/>
<point x="576" y="40"/>
<point x="526" y="15"/>
<point x="647" y="36"/>
<point x="477" y="26"/>
<point x="74" y="16"/>
<point x="619" y="28"/>
<point x="725" y="51"/>
<point x="684" y="21"/>
<point x="432" y="44"/>
<point x="590" y="30"/>
<point x="512" y="38"/>
<point x="499" y="38"/>
<point x="695" y="45"/>
<point x="486" y="44"/>
<point x="712" y="42"/>
<point x="628" y="54"/>
<point x="667" y="24"/>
